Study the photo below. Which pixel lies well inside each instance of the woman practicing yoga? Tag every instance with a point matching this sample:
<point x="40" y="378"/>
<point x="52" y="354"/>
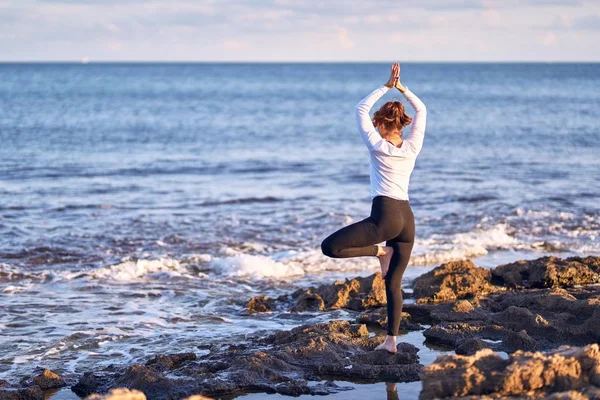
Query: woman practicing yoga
<point x="391" y="220"/>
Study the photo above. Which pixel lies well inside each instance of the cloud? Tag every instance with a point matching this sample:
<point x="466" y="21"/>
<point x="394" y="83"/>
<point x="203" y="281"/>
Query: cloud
<point x="589" y="23"/>
<point x="344" y="38"/>
<point x="298" y="29"/>
<point x="549" y="39"/>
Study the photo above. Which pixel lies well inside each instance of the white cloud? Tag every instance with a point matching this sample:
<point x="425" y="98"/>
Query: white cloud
<point x="344" y="38"/>
<point x="296" y="30"/>
<point x="549" y="39"/>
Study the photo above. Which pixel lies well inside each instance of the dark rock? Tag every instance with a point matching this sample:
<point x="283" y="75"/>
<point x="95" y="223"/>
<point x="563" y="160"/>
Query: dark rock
<point x="283" y="362"/>
<point x="356" y="294"/>
<point x="471" y="346"/>
<point x="562" y="372"/>
<point x="29" y="393"/>
<point x="452" y="281"/>
<point x="48" y="380"/>
<point x="378" y="317"/>
<point x="309" y="301"/>
<point x="259" y="304"/>
<point x="548" y="272"/>
<point x="166" y="362"/>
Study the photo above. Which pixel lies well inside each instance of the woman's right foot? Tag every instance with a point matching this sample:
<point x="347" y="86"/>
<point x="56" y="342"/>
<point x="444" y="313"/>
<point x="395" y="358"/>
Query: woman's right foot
<point x="389" y="344"/>
<point x="385" y="256"/>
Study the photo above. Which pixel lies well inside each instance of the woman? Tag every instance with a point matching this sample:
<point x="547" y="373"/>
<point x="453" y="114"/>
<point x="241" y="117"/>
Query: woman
<point x="392" y="161"/>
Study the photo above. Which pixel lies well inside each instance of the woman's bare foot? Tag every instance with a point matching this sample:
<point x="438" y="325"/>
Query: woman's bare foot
<point x="388" y="344"/>
<point x="384" y="254"/>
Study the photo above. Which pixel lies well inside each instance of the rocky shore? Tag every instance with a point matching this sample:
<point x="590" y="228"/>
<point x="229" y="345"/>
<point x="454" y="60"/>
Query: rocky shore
<point x="525" y="329"/>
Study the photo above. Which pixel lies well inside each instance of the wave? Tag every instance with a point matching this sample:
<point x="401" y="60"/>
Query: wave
<point x="256" y="261"/>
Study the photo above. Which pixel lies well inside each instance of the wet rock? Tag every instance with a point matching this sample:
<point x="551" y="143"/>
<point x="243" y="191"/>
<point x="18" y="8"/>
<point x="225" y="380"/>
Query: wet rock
<point x="166" y="362"/>
<point x="48" y="380"/>
<point x="526" y="319"/>
<point x="283" y="362"/>
<point x="452" y="281"/>
<point x="548" y="272"/>
<point x="455" y="334"/>
<point x="567" y="372"/>
<point x="32" y="388"/>
<point x="463" y="306"/>
<point x="259" y="304"/>
<point x="378" y="317"/>
<point x="356" y="294"/>
<point x="471" y="346"/>
<point x="28" y="393"/>
<point x="309" y="301"/>
<point x="148" y="379"/>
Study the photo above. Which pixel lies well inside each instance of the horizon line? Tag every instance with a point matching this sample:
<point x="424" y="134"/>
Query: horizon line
<point x="85" y="61"/>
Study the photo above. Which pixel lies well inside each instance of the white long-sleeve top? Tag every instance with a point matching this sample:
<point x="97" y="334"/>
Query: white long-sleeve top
<point x="391" y="166"/>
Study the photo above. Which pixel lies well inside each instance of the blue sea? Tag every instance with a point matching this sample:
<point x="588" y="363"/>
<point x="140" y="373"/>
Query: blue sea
<point x="141" y="205"/>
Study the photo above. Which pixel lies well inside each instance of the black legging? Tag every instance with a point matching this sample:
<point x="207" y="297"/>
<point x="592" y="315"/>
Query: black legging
<point x="391" y="221"/>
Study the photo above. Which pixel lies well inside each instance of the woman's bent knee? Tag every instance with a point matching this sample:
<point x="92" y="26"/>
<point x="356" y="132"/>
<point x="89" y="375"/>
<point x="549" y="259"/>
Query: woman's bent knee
<point x="328" y="249"/>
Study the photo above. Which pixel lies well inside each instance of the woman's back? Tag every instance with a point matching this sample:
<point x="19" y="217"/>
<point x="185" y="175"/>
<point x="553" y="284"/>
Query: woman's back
<point x="391" y="166"/>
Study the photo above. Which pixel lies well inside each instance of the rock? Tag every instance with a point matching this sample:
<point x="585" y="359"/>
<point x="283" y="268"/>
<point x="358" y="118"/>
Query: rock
<point x="526" y="319"/>
<point x="471" y="346"/>
<point x="378" y="317"/>
<point x="309" y="301"/>
<point x="567" y="371"/>
<point x="355" y="294"/>
<point x="259" y="304"/>
<point x="172" y="361"/>
<point x="28" y="393"/>
<point x="32" y="388"/>
<point x="548" y="272"/>
<point x="456" y="333"/>
<point x="452" y="281"/>
<point x="463" y="306"/>
<point x="283" y="362"/>
<point x="358" y="294"/>
<point x="148" y="379"/>
<point x="48" y="380"/>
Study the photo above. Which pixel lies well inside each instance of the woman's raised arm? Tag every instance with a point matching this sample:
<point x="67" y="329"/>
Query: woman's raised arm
<point x="414" y="141"/>
<point x="364" y="122"/>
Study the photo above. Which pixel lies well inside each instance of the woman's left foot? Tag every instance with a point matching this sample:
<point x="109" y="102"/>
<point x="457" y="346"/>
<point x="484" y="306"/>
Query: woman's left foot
<point x="384" y="259"/>
<point x="388" y="345"/>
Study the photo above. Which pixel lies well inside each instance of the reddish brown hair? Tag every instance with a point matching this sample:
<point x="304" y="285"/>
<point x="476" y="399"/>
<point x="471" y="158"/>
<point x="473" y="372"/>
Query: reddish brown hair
<point x="393" y="116"/>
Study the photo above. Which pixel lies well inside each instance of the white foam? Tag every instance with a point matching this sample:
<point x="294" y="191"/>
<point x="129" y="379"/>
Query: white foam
<point x="133" y="271"/>
<point x="244" y="265"/>
<point x="439" y="249"/>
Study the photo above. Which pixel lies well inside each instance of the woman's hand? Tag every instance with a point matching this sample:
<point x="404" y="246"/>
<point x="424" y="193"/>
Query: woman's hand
<point x="398" y="85"/>
<point x="394" y="76"/>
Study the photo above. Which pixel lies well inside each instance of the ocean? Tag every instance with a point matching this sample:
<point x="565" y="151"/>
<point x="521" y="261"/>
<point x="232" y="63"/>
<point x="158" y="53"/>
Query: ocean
<point x="141" y="205"/>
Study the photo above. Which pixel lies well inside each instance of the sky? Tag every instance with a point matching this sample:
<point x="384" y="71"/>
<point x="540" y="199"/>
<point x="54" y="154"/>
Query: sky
<point x="300" y="30"/>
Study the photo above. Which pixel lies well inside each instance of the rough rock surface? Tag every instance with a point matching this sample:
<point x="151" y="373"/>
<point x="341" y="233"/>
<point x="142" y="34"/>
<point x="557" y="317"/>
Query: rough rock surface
<point x="259" y="304"/>
<point x="523" y="320"/>
<point x="548" y="272"/>
<point x="452" y="281"/>
<point x="32" y="388"/>
<point x="378" y="317"/>
<point x="564" y="373"/>
<point x="283" y="362"/>
<point x="357" y="294"/>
